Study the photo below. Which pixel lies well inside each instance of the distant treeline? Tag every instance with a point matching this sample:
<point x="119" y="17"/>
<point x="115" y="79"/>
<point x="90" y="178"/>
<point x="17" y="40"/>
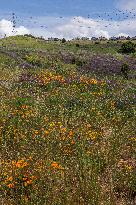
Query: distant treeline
<point x="101" y="38"/>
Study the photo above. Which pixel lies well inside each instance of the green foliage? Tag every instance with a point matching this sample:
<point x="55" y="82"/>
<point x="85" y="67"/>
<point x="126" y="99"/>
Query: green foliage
<point x="29" y="35"/>
<point x="33" y="59"/>
<point x="125" y="69"/>
<point x="63" y="40"/>
<point x="80" y="62"/>
<point x="128" y="47"/>
<point x="97" y="42"/>
<point x="77" y="45"/>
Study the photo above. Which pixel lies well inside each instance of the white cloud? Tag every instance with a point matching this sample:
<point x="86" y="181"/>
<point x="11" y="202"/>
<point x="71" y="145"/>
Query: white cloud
<point x="122" y="34"/>
<point x="6" y="28"/>
<point x="83" y="27"/>
<point x="80" y="27"/>
<point x="127" y="4"/>
<point x="70" y="27"/>
<point x="21" y="30"/>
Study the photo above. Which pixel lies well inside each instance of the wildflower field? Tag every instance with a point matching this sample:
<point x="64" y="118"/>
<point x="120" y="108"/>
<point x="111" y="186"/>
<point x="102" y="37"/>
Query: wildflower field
<point x="67" y="126"/>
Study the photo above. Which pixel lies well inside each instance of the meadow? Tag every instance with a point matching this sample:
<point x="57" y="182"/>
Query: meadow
<point x="67" y="126"/>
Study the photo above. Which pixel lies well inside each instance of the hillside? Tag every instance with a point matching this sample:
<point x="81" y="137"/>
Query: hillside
<point x="67" y="126"/>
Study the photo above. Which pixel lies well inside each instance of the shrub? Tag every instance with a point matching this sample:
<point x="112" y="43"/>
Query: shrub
<point x="80" y="62"/>
<point x="125" y="70"/>
<point x="128" y="47"/>
<point x="34" y="60"/>
<point x="73" y="61"/>
<point x="63" y="40"/>
<point x="29" y="35"/>
<point x="97" y="42"/>
<point x="77" y="44"/>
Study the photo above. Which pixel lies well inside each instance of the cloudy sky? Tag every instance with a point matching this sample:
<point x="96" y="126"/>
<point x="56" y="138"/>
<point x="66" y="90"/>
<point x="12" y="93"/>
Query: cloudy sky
<point x="68" y="18"/>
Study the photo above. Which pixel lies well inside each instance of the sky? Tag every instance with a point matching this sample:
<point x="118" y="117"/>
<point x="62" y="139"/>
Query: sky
<point x="68" y="18"/>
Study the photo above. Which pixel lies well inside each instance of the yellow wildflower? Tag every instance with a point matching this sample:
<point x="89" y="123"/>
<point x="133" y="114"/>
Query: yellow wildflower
<point x="36" y="132"/>
<point x="133" y="139"/>
<point x="128" y="167"/>
<point x="63" y="129"/>
<point x="92" y="135"/>
<point x="56" y="165"/>
<point x="21" y="164"/>
<point x="93" y="81"/>
<point x="9" y="179"/>
<point x="46" y="132"/>
<point x="29" y="182"/>
<point x="71" y="133"/>
<point x="10" y="185"/>
<point x="112" y="105"/>
<point x="52" y="124"/>
<point x="72" y="142"/>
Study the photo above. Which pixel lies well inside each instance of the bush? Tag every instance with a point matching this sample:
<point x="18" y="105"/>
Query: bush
<point x="73" y="61"/>
<point x="80" y="63"/>
<point x="63" y="40"/>
<point x="128" y="47"/>
<point x="29" y="35"/>
<point x="97" y="42"/>
<point x="125" y="70"/>
<point x="77" y="44"/>
<point x="34" y="60"/>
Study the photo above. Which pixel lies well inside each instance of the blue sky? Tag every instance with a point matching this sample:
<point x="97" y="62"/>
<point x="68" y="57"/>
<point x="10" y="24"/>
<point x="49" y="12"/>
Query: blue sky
<point x="80" y="17"/>
<point x="56" y="7"/>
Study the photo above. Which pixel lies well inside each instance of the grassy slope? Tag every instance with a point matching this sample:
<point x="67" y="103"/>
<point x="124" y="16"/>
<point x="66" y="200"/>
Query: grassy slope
<point x="66" y="138"/>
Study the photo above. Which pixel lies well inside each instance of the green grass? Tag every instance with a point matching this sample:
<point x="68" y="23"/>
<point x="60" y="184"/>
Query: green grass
<point x="66" y="138"/>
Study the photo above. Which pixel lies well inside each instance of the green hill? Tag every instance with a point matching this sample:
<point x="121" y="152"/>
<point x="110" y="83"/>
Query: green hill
<point x="67" y="126"/>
